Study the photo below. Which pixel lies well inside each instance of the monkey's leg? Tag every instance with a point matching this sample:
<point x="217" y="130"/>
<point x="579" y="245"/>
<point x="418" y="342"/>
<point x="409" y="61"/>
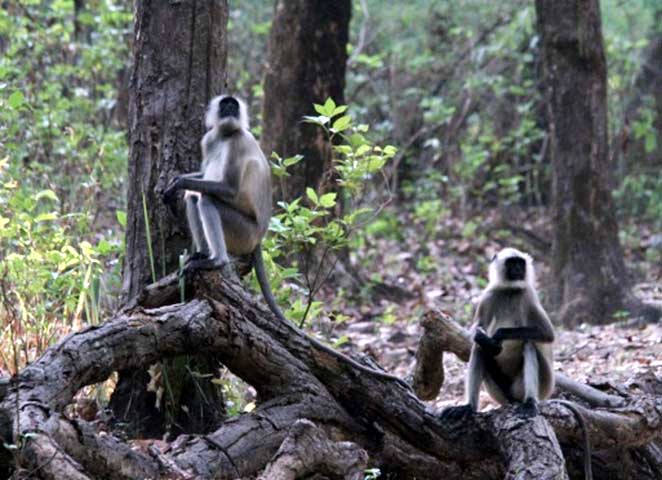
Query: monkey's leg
<point x="213" y="233"/>
<point x="195" y="226"/>
<point x="472" y="388"/>
<point x="530" y="379"/>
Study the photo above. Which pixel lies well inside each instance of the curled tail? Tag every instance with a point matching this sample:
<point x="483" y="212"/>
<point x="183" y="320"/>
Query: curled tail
<point x="260" y="272"/>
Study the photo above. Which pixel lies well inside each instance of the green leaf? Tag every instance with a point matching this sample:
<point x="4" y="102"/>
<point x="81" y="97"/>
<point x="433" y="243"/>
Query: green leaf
<point x="329" y="107"/>
<point x="342" y="123"/>
<point x="341" y="341"/>
<point x="45" y="217"/>
<point x="390" y="150"/>
<point x="362" y="150"/>
<point x="288" y="162"/>
<point x="650" y="143"/>
<point x="338" y="110"/>
<point x="328" y="200"/>
<point x="16" y="99"/>
<point x="47" y="194"/>
<point x="310" y="193"/>
<point x="121" y="217"/>
<point x="321" y="120"/>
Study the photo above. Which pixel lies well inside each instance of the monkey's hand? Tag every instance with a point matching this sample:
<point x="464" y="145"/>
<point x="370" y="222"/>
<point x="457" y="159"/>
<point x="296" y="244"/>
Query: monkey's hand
<point x="454" y="414"/>
<point x="487" y="344"/>
<point x="170" y="193"/>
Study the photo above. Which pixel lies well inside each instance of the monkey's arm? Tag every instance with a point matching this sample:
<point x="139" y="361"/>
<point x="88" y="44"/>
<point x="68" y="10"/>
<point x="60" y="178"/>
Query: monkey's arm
<point x="170" y="192"/>
<point x="474" y="377"/>
<point x="482" y="319"/>
<point x="538" y="328"/>
<point x="534" y="334"/>
<point x="223" y="191"/>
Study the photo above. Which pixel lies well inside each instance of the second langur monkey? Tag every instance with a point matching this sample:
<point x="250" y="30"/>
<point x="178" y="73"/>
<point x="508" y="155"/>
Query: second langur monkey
<point x="513" y="339"/>
<point x="228" y="203"/>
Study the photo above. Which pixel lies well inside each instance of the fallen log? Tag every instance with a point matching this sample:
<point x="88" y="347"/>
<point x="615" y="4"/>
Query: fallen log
<point x="295" y="381"/>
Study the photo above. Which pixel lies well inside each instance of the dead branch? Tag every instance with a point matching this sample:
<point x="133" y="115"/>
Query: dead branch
<point x="295" y="380"/>
<point x="307" y="450"/>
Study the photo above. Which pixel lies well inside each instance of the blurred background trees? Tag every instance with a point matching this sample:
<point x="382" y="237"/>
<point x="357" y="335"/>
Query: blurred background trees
<point x="459" y="87"/>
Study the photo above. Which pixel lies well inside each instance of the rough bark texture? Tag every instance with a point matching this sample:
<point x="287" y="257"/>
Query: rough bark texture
<point x="306" y="60"/>
<point x="179" y="64"/>
<point x="588" y="267"/>
<point x="296" y="381"/>
<point x="180" y="52"/>
<point x="307" y="450"/>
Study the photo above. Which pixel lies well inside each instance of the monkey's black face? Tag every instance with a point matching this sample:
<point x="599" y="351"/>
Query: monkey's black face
<point x="515" y="269"/>
<point x="228" y="107"/>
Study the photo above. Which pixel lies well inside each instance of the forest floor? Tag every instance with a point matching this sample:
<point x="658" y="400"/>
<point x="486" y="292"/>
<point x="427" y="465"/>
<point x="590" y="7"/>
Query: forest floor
<point x="448" y="272"/>
<point x="418" y="264"/>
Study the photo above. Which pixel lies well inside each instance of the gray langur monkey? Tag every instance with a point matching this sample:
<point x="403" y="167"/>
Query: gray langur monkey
<point x="513" y="345"/>
<point x="228" y="203"/>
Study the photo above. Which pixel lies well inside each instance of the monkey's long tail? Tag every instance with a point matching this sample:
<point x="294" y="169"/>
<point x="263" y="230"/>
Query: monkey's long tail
<point x="260" y="272"/>
<point x="588" y="470"/>
<point x="258" y="264"/>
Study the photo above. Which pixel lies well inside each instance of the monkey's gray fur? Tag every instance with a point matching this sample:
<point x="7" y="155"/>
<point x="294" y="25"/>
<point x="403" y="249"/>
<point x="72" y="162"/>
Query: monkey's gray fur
<point x="228" y="203"/>
<point x="513" y="344"/>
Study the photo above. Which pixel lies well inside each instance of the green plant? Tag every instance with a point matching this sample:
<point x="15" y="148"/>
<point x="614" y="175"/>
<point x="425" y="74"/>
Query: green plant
<point x="372" y="474"/>
<point x="63" y="167"/>
<point x="50" y="280"/>
<point x="310" y="228"/>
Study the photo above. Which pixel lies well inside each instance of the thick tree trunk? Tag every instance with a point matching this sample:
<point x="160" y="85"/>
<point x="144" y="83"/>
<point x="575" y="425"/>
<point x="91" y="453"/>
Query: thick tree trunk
<point x="179" y="64"/>
<point x="307" y="400"/>
<point x="306" y="60"/>
<point x="180" y="55"/>
<point x="587" y="260"/>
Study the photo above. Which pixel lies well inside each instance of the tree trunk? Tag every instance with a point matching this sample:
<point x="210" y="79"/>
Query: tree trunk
<point x="308" y="402"/>
<point x="179" y="64"/>
<point x="306" y="60"/>
<point x="587" y="261"/>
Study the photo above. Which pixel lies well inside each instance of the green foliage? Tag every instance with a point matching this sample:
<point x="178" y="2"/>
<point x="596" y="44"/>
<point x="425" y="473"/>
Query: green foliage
<point x="49" y="279"/>
<point x="372" y="474"/>
<point x="62" y="150"/>
<point x="640" y="195"/>
<point x="322" y="223"/>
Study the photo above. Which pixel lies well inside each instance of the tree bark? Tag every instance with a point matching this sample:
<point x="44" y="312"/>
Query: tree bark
<point x="591" y="282"/>
<point x="306" y="60"/>
<point x="297" y="381"/>
<point x="180" y="51"/>
<point x="180" y="55"/>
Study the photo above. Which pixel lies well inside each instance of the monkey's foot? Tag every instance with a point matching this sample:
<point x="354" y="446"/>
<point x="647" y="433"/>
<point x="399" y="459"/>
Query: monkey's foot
<point x="205" y="263"/>
<point x="454" y="414"/>
<point x="528" y="408"/>
<point x="197" y="256"/>
<point x="193" y="264"/>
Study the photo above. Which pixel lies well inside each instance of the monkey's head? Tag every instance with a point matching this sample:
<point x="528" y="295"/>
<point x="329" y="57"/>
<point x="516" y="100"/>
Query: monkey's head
<point x="511" y="268"/>
<point x="228" y="113"/>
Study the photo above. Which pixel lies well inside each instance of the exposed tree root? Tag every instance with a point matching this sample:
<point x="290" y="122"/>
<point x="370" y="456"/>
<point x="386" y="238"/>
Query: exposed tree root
<point x="296" y="383"/>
